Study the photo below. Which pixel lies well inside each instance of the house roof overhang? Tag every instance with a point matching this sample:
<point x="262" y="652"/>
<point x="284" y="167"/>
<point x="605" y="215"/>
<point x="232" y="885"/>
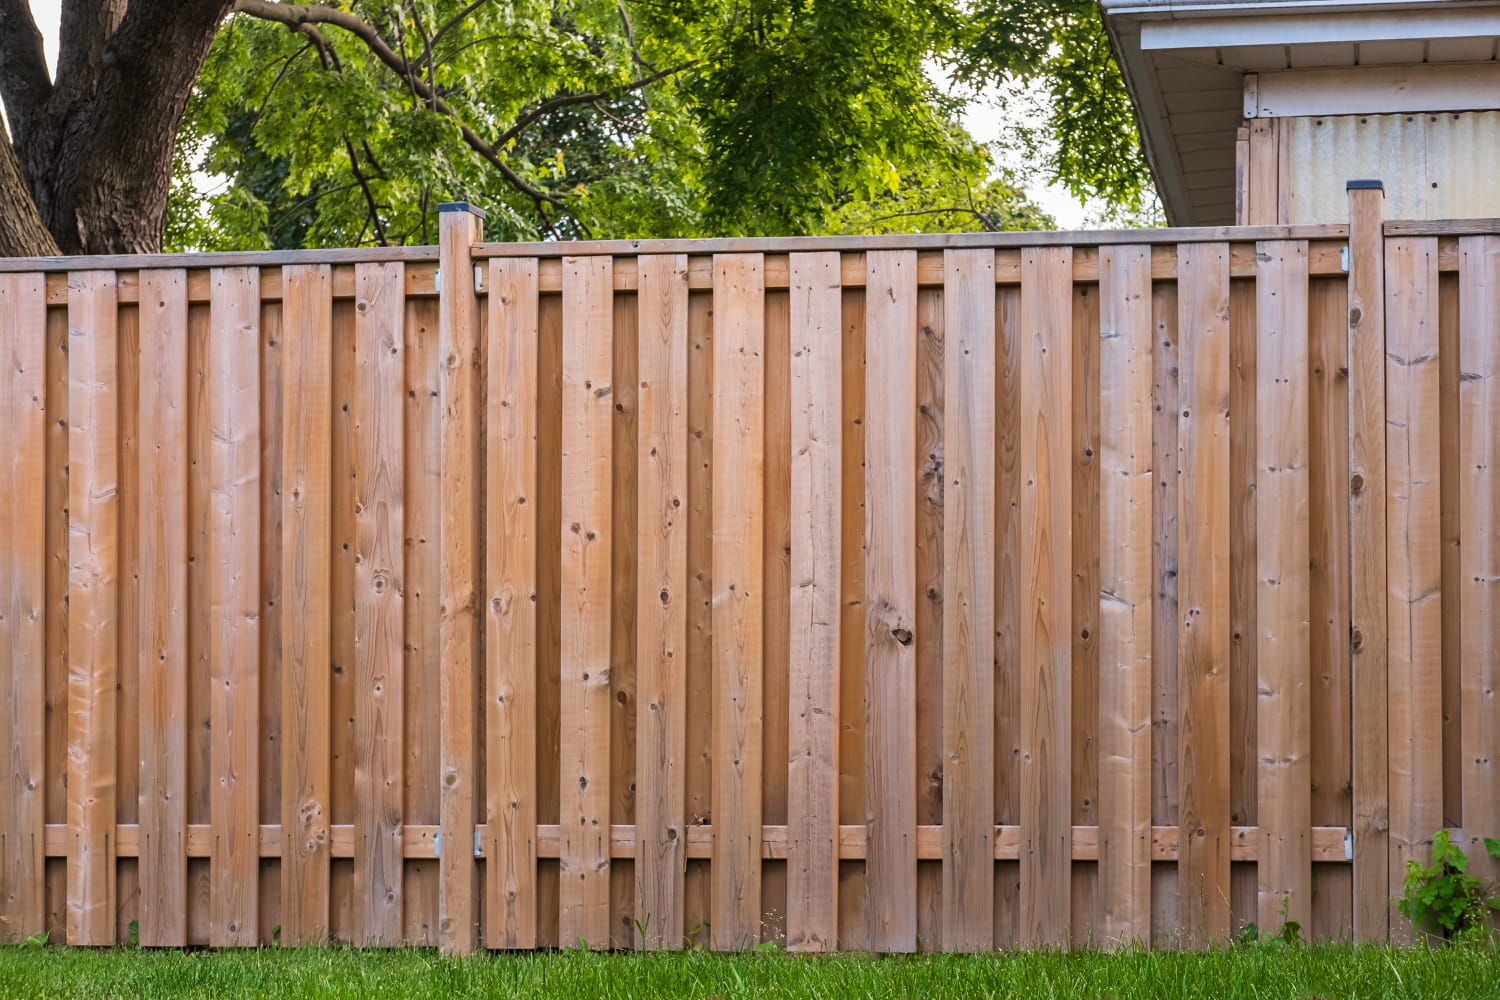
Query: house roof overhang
<point x="1185" y="64"/>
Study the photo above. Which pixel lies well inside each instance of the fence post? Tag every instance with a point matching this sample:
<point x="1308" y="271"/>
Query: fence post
<point x="1373" y="880"/>
<point x="458" y="637"/>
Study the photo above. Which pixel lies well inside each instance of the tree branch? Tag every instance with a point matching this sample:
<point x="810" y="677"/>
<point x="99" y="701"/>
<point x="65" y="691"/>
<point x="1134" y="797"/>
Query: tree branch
<point x="568" y="100"/>
<point x="295" y="16"/>
<point x="86" y="27"/>
<point x="24" y="82"/>
<point x="369" y="195"/>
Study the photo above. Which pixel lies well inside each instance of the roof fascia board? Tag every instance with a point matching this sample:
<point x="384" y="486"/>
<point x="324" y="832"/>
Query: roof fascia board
<point x="1170" y="9"/>
<point x="1262" y="29"/>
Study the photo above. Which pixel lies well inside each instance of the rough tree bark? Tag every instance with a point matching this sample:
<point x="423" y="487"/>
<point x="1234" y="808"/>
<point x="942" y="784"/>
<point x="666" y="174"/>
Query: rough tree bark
<point x="87" y="164"/>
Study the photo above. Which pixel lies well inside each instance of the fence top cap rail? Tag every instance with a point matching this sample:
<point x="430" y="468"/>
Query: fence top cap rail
<point x="1443" y="227"/>
<point x="245" y="258"/>
<point x="926" y="241"/>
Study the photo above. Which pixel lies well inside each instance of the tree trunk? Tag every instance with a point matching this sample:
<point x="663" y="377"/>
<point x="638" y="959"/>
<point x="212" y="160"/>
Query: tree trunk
<point x="91" y="164"/>
<point x="22" y="233"/>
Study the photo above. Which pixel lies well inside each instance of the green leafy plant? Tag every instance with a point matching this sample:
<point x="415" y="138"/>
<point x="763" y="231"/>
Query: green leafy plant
<point x="1288" y="935"/>
<point x="1444" y="899"/>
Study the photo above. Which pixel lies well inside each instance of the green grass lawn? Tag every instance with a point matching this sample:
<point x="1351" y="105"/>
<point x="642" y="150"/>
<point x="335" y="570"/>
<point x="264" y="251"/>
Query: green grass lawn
<point x="338" y="974"/>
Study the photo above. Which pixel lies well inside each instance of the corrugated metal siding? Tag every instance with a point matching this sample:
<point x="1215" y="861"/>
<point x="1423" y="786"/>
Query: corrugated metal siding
<point x="1435" y="166"/>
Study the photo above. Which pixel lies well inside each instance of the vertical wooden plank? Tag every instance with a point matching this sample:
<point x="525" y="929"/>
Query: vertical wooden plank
<point x="1450" y="519"/>
<point x="1010" y="344"/>
<point x="1328" y="520"/>
<point x="549" y="605"/>
<point x="852" y="920"/>
<point x="1367" y="560"/>
<point x="1263" y="186"/>
<point x="1203" y="593"/>
<point x="341" y="696"/>
<point x="510" y="634"/>
<point x="55" y="645"/>
<point x="127" y="612"/>
<point x="738" y="602"/>
<point x="698" y="769"/>
<point x="1125" y="597"/>
<point x="379" y="582"/>
<point x="1046" y="602"/>
<point x="458" y="910"/>
<point x="776" y="586"/>
<point x="1244" y="430"/>
<point x="890" y="598"/>
<point x="421" y="684"/>
<point x="1083" y="721"/>
<point x="1479" y="443"/>
<point x="93" y="515"/>
<point x="200" y="682"/>
<point x="1413" y="557"/>
<point x="24" y="611"/>
<point x="587" y="445"/>
<point x="234" y="602"/>
<point x="968" y="689"/>
<point x="661" y="600"/>
<point x="1283" y="603"/>
<point x="306" y="551"/>
<point x="622" y="613"/>
<point x="162" y="654"/>
<point x="813" y="725"/>
<point x="928" y="637"/>
<point x="270" y="741"/>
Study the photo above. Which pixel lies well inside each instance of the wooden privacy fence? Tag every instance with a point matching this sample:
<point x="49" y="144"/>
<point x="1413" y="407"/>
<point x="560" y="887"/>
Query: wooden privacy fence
<point x="932" y="592"/>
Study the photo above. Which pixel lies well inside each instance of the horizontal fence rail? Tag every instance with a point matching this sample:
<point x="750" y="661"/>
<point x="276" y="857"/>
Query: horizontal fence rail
<point x="924" y="593"/>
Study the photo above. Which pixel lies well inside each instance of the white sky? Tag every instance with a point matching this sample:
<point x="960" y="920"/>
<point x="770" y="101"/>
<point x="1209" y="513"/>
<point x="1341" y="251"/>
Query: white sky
<point x="982" y="118"/>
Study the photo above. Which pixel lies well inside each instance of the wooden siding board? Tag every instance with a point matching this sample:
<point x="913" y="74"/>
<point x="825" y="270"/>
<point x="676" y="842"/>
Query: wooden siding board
<point x="1046" y="582"/>
<point x="890" y="599"/>
<point x="738" y="601"/>
<point x="379" y="563"/>
<point x="1126" y="607"/>
<point x="813" y="731"/>
<point x="1283" y="604"/>
<point x="306" y="550"/>
<point x="661" y="601"/>
<point x="1479" y="593"/>
<point x="588" y="412"/>
<point x="511" y="540"/>
<point x="1413" y="558"/>
<point x="234" y="603"/>
<point x="24" y="609"/>
<point x="968" y="624"/>
<point x="1203" y="594"/>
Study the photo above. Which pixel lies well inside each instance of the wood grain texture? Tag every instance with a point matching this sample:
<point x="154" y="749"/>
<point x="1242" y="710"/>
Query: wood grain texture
<point x="890" y="599"/>
<point x="306" y="572"/>
<point x="587" y="414"/>
<point x="511" y="614"/>
<point x="1046" y="595"/>
<point x="1368" y="680"/>
<point x="851" y="897"/>
<point x="738" y="601"/>
<point x="1413" y="558"/>
<point x="379" y="582"/>
<point x="662" y="601"/>
<point x="1263" y="185"/>
<point x="1283" y="604"/>
<point x="1125" y="599"/>
<point x="93" y="589"/>
<point x="24" y="611"/>
<point x="1330" y="750"/>
<point x="234" y="603"/>
<point x="458" y="631"/>
<point x="1203" y="594"/>
<point x="813" y="733"/>
<point x="968" y="688"/>
<point x="1479" y="595"/>
<point x="162" y="656"/>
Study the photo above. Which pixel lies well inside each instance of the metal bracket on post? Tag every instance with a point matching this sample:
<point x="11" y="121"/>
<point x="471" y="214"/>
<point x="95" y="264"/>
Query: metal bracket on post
<point x="1349" y="846"/>
<point x="437" y="844"/>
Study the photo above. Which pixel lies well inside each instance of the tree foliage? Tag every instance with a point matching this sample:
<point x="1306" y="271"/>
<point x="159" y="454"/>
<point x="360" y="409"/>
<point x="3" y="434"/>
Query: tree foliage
<point x="347" y="124"/>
